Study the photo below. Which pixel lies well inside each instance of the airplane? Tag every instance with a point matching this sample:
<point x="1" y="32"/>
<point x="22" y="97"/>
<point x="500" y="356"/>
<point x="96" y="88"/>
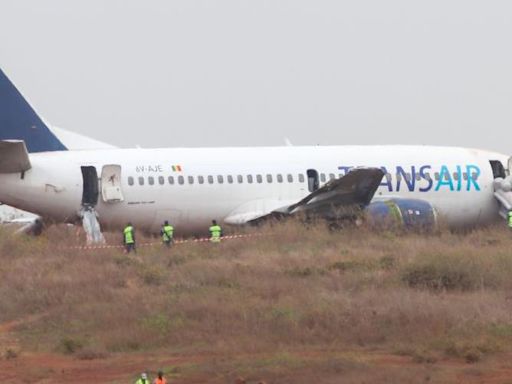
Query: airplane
<point x="239" y="185"/>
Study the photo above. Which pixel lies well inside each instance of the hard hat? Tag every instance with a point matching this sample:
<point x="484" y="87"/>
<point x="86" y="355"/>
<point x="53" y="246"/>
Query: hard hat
<point x="143" y="376"/>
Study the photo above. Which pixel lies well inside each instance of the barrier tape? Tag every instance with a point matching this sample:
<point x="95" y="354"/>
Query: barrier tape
<point x="153" y="243"/>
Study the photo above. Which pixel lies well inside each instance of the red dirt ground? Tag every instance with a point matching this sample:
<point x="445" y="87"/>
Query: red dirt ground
<point x="123" y="368"/>
<point x="42" y="368"/>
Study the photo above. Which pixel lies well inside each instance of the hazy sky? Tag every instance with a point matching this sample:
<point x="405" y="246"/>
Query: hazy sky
<point x="217" y="73"/>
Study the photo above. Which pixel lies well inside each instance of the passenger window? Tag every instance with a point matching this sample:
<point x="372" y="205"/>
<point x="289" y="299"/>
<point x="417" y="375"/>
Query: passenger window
<point x="322" y="177"/>
<point x="279" y="178"/>
<point x="161" y="180"/>
<point x="181" y="180"/>
<point x="474" y="176"/>
<point x="210" y="179"/>
<point x="130" y="180"/>
<point x="249" y="179"/>
<point x="171" y="180"/>
<point x="230" y="179"/>
<point x="418" y="177"/>
<point x="408" y="177"/>
<point x="191" y="179"/>
<point x="200" y="179"/>
<point x="398" y="177"/>
<point x="388" y="177"/>
<point x="290" y="178"/>
<point x="151" y="180"/>
<point x="269" y="178"/>
<point x="240" y="179"/>
<point x="465" y="176"/>
<point x="301" y="177"/>
<point x="220" y="179"/>
<point x="436" y="175"/>
<point x="455" y="176"/>
<point x="141" y="180"/>
<point x="259" y="178"/>
<point x="331" y="176"/>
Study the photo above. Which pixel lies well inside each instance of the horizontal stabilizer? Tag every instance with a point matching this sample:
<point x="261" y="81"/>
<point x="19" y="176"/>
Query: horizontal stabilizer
<point x="13" y="156"/>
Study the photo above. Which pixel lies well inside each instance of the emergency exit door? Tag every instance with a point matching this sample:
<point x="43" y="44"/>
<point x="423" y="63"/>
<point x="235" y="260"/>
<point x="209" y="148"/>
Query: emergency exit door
<point x="111" y="191"/>
<point x="313" y="181"/>
<point x="90" y="186"/>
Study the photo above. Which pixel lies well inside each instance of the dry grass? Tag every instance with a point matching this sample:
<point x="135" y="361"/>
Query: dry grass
<point x="424" y="296"/>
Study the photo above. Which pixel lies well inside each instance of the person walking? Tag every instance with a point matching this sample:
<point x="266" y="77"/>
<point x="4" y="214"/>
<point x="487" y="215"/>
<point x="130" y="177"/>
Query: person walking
<point x="160" y="379"/>
<point x="167" y="233"/>
<point x="143" y="379"/>
<point x="509" y="219"/>
<point x="129" y="238"/>
<point x="215" y="232"/>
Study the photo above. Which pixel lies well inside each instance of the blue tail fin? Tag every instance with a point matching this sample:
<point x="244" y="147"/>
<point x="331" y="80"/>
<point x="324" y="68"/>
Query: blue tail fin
<point x="18" y="121"/>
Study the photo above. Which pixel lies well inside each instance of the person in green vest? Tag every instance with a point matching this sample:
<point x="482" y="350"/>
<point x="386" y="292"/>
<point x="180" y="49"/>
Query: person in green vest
<point x="129" y="238"/>
<point x="143" y="379"/>
<point x="509" y="219"/>
<point x="215" y="232"/>
<point x="167" y="233"/>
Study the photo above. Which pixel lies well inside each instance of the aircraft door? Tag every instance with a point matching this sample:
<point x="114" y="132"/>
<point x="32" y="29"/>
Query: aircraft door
<point x="497" y="169"/>
<point x="313" y="182"/>
<point x="90" y="186"/>
<point x="111" y="191"/>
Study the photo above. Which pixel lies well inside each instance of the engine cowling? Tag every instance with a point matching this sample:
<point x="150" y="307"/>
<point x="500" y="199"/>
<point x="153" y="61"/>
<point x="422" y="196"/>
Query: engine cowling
<point x="405" y="213"/>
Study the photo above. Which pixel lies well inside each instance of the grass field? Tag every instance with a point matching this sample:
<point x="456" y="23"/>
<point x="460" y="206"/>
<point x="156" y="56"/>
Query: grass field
<point x="291" y="305"/>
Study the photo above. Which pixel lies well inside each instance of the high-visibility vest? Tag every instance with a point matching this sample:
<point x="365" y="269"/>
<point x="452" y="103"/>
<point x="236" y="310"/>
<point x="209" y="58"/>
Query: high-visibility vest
<point x="215" y="232"/>
<point x="167" y="232"/>
<point x="160" y="381"/>
<point x="142" y="381"/>
<point x="510" y="219"/>
<point x="128" y="235"/>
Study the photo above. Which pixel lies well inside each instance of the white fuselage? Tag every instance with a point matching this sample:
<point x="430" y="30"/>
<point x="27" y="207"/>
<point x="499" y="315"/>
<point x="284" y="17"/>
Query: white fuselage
<point x="215" y="183"/>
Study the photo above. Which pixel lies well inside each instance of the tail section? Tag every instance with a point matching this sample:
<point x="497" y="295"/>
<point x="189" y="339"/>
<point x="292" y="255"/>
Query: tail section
<point x="19" y="121"/>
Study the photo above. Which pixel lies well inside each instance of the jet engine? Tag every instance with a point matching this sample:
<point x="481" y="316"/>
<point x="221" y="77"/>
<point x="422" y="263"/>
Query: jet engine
<point x="405" y="213"/>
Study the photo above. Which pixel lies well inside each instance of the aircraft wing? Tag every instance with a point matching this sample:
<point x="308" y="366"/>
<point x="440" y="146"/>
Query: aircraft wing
<point x="336" y="199"/>
<point x="13" y="156"/>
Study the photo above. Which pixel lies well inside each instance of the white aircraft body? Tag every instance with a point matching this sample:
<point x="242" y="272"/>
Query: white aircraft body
<point x="191" y="186"/>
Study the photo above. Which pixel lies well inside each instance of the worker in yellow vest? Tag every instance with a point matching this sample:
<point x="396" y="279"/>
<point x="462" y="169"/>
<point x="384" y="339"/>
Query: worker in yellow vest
<point x="509" y="219"/>
<point x="215" y="232"/>
<point x="129" y="238"/>
<point x="143" y="379"/>
<point x="167" y="233"/>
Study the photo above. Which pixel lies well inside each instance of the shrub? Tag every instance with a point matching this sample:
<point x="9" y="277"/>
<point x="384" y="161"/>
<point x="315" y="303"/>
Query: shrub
<point x="472" y="355"/>
<point x="153" y="275"/>
<point x="11" y="354"/>
<point x="70" y="345"/>
<point x="89" y="353"/>
<point x="457" y="271"/>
